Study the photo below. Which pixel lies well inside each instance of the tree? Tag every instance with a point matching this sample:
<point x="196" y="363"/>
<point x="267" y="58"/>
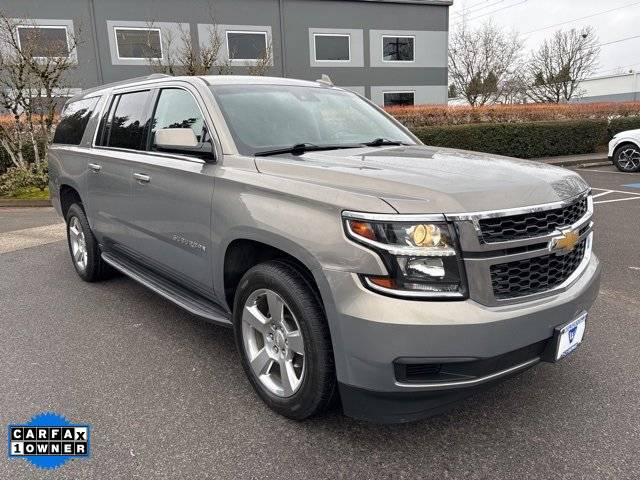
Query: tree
<point x="34" y="73"/>
<point x="481" y="61"/>
<point x="562" y="62"/>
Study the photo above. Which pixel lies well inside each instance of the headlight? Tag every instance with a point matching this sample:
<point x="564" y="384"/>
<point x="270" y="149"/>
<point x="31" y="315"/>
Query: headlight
<point x="421" y="256"/>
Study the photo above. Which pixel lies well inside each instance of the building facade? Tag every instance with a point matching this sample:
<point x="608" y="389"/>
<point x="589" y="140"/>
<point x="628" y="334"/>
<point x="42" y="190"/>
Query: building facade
<point x="392" y="51"/>
<point x="623" y="87"/>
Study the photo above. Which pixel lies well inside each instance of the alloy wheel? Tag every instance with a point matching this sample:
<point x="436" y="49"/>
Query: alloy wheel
<point x="273" y="342"/>
<point x="78" y="243"/>
<point x="629" y="159"/>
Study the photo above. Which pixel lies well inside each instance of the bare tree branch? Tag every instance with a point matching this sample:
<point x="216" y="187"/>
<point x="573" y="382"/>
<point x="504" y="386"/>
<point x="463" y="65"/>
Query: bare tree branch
<point x="562" y="62"/>
<point x="481" y="61"/>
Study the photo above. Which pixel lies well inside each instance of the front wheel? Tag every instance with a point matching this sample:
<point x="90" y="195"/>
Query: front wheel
<point x="284" y="342"/>
<point x="627" y="158"/>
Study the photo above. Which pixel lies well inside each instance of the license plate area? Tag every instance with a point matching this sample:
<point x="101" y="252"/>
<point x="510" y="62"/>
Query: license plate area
<point x="566" y="338"/>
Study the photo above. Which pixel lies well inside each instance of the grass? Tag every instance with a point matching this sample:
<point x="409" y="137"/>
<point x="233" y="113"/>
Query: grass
<point x="29" y="194"/>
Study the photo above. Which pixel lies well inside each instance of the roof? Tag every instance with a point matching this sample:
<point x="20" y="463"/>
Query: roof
<point x="255" y="80"/>
<point x="208" y="79"/>
<point x="415" y="2"/>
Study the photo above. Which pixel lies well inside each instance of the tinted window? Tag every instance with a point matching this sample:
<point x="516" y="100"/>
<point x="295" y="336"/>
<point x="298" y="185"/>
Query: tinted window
<point x="177" y="108"/>
<point x="138" y="43"/>
<point x="398" y="49"/>
<point x="44" y="41"/>
<point x="398" y="98"/>
<point x="332" y="47"/>
<point x="246" y="45"/>
<point x="128" y="124"/>
<point x="73" y="121"/>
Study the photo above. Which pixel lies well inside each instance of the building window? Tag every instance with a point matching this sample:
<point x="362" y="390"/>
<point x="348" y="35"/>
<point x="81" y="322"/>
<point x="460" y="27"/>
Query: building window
<point x="138" y="43"/>
<point x="43" y="41"/>
<point x="332" y="47"/>
<point x="397" y="49"/>
<point x="246" y="45"/>
<point x="392" y="99"/>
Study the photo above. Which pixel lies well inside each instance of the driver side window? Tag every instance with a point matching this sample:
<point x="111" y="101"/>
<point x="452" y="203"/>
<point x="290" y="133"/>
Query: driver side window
<point x="176" y="108"/>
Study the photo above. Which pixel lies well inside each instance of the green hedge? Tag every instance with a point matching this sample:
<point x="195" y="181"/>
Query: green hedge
<point x="617" y="125"/>
<point x="523" y="140"/>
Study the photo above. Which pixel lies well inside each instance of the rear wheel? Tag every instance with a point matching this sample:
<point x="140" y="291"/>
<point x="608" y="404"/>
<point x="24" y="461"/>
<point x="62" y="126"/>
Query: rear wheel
<point x="627" y="158"/>
<point x="83" y="247"/>
<point x="284" y="341"/>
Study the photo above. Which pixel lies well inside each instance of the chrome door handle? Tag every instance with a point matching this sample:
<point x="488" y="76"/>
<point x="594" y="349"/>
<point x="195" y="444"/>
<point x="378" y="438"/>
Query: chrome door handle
<point x="95" y="167"/>
<point x="142" y="178"/>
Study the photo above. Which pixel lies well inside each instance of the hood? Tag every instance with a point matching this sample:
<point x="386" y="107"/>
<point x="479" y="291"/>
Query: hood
<point x="421" y="179"/>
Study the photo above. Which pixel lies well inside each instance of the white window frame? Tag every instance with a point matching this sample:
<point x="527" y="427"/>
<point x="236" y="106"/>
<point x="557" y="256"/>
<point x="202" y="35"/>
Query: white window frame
<point x="66" y="35"/>
<point x="146" y="29"/>
<point x="413" y="92"/>
<point x="249" y="32"/>
<point x="315" y="49"/>
<point x="398" y="61"/>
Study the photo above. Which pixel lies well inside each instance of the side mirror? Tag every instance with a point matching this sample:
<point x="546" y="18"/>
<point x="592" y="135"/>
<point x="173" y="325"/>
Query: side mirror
<point x="176" y="138"/>
<point x="182" y="140"/>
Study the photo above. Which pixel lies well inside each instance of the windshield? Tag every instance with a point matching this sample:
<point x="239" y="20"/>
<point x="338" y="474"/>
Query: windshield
<point x="268" y="117"/>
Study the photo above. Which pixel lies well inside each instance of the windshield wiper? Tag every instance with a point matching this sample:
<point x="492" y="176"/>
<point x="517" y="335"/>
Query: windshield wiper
<point x="300" y="148"/>
<point x="379" y="142"/>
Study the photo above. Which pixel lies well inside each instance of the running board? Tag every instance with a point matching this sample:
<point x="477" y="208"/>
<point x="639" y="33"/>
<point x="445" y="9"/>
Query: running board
<point x="182" y="297"/>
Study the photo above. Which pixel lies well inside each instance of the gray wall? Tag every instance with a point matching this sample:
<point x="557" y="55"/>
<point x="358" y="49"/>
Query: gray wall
<point x="290" y="30"/>
<point x="614" y="97"/>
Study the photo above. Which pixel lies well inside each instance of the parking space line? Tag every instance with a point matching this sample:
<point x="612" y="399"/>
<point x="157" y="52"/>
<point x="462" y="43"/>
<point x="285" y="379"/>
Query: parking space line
<point x="606" y="192"/>
<point x="616" y="191"/>
<point x="617" y="200"/>
<point x="31" y="237"/>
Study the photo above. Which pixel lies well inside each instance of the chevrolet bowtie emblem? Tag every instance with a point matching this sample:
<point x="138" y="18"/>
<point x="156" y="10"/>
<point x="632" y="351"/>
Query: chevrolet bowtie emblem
<point x="566" y="242"/>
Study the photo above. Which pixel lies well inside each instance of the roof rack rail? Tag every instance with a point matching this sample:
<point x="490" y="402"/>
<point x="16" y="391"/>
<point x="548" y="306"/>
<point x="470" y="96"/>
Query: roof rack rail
<point x="326" y="80"/>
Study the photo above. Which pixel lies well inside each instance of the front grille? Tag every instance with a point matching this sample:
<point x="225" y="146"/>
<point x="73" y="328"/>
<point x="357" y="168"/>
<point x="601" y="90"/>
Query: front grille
<point x="529" y="225"/>
<point x="533" y="275"/>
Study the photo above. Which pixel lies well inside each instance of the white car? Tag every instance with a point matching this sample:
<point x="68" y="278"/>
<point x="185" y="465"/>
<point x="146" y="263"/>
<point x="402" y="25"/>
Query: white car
<point x="624" y="151"/>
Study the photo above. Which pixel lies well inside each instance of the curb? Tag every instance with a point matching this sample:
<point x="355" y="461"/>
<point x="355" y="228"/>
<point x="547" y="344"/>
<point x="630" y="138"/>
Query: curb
<point x="14" y="202"/>
<point x="580" y="162"/>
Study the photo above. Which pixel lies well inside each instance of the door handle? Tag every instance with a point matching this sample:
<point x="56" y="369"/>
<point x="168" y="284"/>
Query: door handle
<point x="142" y="178"/>
<point x="95" y="167"/>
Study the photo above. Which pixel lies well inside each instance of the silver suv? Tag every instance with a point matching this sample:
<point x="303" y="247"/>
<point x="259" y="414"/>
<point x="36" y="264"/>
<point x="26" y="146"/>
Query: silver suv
<point x="353" y="262"/>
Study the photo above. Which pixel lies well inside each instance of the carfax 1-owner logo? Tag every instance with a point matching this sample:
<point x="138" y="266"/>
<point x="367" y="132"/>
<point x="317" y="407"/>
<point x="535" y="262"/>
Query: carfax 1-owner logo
<point x="48" y="440"/>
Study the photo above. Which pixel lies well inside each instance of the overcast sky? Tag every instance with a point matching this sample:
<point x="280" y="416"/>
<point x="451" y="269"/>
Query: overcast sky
<point x="528" y="15"/>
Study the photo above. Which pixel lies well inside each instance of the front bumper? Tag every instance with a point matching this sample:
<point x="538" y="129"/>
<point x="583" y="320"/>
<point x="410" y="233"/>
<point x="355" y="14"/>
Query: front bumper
<point x="370" y="332"/>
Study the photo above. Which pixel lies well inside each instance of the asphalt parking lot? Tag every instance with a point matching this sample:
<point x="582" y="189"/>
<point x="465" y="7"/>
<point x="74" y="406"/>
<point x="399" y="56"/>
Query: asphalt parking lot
<point x="166" y="396"/>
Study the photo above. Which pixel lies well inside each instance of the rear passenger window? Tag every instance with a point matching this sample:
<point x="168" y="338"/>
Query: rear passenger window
<point x="127" y="125"/>
<point x="73" y="121"/>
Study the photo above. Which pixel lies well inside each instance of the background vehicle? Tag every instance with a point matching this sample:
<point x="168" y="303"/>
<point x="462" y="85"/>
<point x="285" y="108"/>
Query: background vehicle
<point x="624" y="151"/>
<point x="348" y="257"/>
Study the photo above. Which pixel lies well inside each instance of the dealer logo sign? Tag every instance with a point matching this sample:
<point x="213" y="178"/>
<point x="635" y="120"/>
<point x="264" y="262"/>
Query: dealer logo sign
<point x="48" y="440"/>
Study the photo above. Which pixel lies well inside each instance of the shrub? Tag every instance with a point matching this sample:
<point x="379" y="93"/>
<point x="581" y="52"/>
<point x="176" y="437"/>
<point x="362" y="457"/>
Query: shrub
<point x="523" y="140"/>
<point x="15" y="179"/>
<point x="617" y="125"/>
<point x="431" y="115"/>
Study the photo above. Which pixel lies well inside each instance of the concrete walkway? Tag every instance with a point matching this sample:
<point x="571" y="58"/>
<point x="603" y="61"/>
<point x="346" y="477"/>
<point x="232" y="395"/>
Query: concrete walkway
<point x="590" y="159"/>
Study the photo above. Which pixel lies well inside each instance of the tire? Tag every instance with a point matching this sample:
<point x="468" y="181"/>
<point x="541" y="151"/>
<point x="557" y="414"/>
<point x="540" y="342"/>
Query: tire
<point x="627" y="158"/>
<point x="83" y="247"/>
<point x="312" y="385"/>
